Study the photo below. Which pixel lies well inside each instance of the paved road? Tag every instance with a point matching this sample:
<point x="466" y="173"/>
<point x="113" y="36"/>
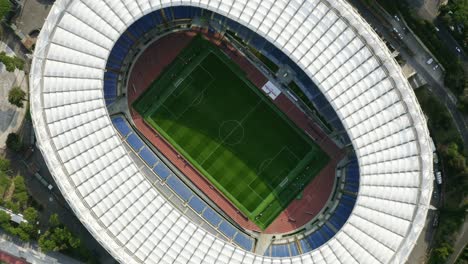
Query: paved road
<point x="53" y="202"/>
<point x="30" y="251"/>
<point x="416" y="56"/>
<point x="460" y="243"/>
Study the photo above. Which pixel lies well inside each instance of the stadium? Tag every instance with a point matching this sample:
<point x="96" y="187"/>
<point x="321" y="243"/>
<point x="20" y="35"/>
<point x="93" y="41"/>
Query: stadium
<point x="231" y="131"/>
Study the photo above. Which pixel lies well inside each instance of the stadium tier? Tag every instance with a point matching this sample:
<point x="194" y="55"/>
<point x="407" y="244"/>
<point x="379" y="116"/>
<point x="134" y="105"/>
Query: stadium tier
<point x="343" y="68"/>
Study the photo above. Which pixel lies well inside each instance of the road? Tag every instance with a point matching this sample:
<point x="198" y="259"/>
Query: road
<point x="459" y="244"/>
<point x="52" y="201"/>
<point x="416" y="56"/>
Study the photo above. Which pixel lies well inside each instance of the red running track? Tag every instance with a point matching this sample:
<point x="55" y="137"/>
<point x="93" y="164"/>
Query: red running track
<point x="148" y="67"/>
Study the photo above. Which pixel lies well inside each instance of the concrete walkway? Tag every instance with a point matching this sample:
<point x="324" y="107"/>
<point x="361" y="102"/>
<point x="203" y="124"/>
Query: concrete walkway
<point x="10" y="116"/>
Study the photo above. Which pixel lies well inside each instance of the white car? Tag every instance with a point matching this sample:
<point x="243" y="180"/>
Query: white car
<point x="437" y="29"/>
<point x="396" y="18"/>
<point x="435" y="67"/>
<point x="458" y="49"/>
<point x="429" y="61"/>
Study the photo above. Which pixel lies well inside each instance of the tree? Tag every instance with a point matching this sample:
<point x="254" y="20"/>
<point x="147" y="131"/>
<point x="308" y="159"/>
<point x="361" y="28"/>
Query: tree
<point x="45" y="243"/>
<point x="13" y="142"/>
<point x="4" y="165"/>
<point x="443" y="252"/>
<point x="30" y="215"/>
<point x="5" y="8"/>
<point x="16" y="96"/>
<point x="4" y="217"/>
<point x="58" y="238"/>
<point x="24" y="231"/>
<point x="54" y="220"/>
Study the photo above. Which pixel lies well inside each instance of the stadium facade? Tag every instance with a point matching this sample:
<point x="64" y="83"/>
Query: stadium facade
<point x="327" y="40"/>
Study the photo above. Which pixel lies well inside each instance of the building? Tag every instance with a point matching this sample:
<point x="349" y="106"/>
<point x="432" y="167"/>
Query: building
<point x="335" y="48"/>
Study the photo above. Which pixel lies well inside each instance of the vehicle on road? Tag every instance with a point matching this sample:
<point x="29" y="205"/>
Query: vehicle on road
<point x="396" y="18"/>
<point x="439" y="177"/>
<point x="435" y="222"/>
<point x="429" y="61"/>
<point x="437" y="29"/>
<point x="458" y="49"/>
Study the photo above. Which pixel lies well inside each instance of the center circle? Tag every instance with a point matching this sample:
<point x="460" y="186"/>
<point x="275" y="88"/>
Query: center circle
<point x="231" y="132"/>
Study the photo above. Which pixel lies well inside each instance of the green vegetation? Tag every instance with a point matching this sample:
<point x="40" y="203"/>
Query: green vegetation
<point x="5" y="8"/>
<point x="264" y="59"/>
<point x="14" y="142"/>
<point x="455" y="77"/>
<point x="14" y="196"/>
<point x="455" y="17"/>
<point x="463" y="258"/>
<point x="303" y="97"/>
<point x="59" y="238"/>
<point x="232" y="133"/>
<point x="16" y="96"/>
<point x="449" y="145"/>
<point x="11" y="63"/>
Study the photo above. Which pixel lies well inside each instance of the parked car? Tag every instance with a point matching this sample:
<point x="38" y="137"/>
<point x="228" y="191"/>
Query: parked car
<point x="435" y="222"/>
<point x="439" y="177"/>
<point x="437" y="29"/>
<point x="396" y="18"/>
<point x="429" y="61"/>
<point x="458" y="49"/>
<point x="435" y="67"/>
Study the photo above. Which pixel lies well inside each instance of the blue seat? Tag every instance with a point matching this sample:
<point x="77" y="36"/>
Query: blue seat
<point x="351" y="188"/>
<point x="227" y="229"/>
<point x="306" y="247"/>
<point x="312" y="240"/>
<point x="110" y="76"/>
<point x="162" y="171"/>
<point x="233" y="25"/>
<point x="135" y="142"/>
<point x="328" y="231"/>
<point x="244" y="241"/>
<point x="168" y="13"/>
<point x="179" y="187"/>
<point x="343" y="210"/>
<point x="316" y="239"/>
<point x="211" y="216"/>
<point x="181" y="12"/>
<point x="148" y="156"/>
<point x="350" y="199"/>
<point x="280" y="250"/>
<point x="110" y="89"/>
<point x="320" y="101"/>
<point x="293" y="248"/>
<point x="197" y="204"/>
<point x="121" y="126"/>
<point x="267" y="251"/>
<point x="336" y="221"/>
<point x="156" y="18"/>
<point x="257" y="42"/>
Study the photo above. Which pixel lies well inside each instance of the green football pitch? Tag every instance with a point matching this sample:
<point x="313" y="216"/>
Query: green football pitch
<point x="233" y="134"/>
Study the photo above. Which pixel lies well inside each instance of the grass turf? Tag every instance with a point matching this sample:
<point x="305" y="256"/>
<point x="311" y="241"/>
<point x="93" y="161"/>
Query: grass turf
<point x="206" y="108"/>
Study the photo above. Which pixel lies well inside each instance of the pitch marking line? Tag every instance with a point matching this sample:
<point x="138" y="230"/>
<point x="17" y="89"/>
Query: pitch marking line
<point x="229" y="134"/>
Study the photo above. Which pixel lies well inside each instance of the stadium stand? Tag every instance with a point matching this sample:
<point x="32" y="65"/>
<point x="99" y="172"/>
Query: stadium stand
<point x="152" y="20"/>
<point x="163" y="172"/>
<point x="343" y="63"/>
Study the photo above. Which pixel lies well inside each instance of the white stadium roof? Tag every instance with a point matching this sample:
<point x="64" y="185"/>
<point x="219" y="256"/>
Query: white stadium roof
<point x="335" y="47"/>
